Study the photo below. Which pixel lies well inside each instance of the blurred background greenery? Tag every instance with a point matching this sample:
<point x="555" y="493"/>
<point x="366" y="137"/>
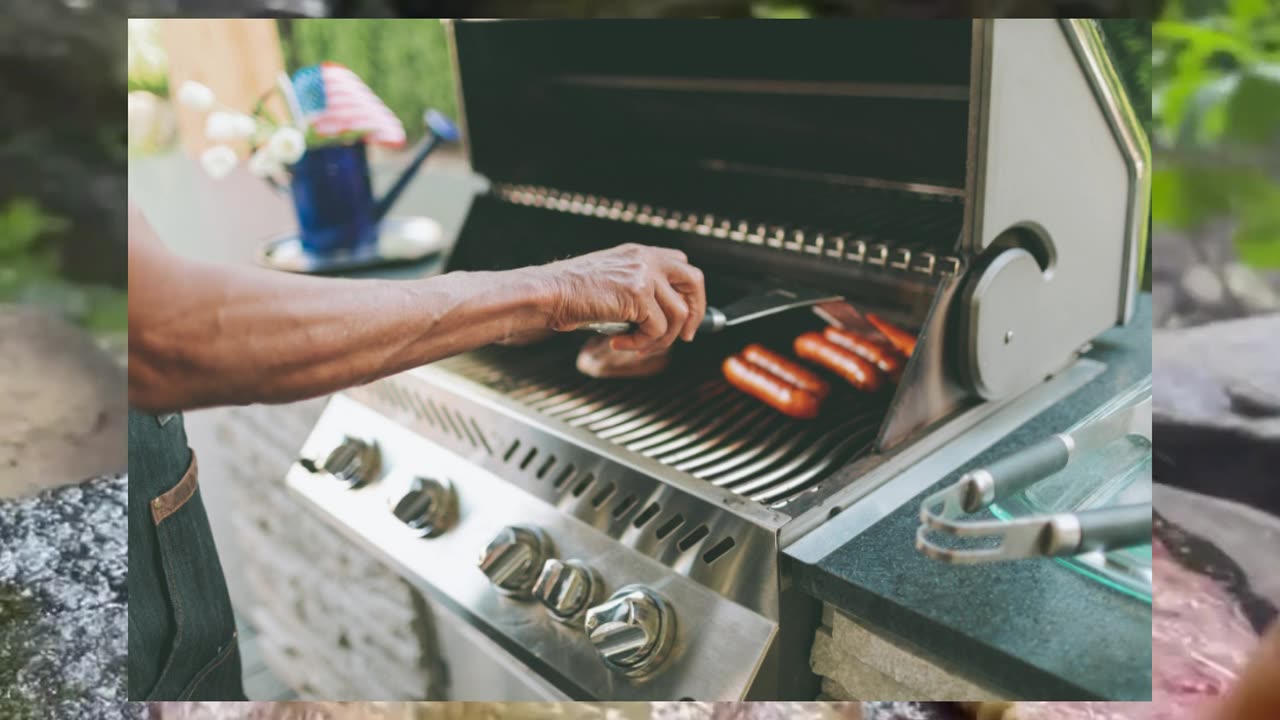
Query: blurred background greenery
<point x="406" y="62"/>
<point x="63" y="150"/>
<point x="1216" y="98"/>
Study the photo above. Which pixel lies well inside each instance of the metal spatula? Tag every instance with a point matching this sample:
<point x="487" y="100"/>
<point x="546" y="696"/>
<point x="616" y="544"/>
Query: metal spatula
<point x="752" y="307"/>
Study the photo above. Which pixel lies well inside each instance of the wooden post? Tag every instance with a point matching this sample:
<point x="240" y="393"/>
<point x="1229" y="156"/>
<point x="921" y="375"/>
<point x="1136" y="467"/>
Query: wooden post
<point x="238" y="59"/>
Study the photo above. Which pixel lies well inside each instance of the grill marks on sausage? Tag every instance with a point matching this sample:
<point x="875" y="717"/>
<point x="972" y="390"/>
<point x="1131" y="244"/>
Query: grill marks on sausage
<point x="770" y="389"/>
<point x="856" y="371"/>
<point x="884" y="357"/>
<point x="787" y="369"/>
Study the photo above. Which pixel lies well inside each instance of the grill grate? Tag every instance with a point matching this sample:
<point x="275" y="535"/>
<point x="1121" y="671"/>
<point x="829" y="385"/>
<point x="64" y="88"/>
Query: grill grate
<point x="689" y="419"/>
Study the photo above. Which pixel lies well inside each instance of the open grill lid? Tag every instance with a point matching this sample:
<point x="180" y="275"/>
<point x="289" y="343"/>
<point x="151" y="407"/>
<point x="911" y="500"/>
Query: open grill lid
<point x="983" y="180"/>
<point x="843" y="127"/>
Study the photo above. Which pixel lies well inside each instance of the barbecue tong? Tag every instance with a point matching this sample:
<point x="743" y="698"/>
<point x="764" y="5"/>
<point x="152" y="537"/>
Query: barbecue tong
<point x="1061" y="534"/>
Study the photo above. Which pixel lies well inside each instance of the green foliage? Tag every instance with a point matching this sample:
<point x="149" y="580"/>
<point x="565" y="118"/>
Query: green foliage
<point x="30" y="271"/>
<point x="1217" y="104"/>
<point x="405" y="62"/>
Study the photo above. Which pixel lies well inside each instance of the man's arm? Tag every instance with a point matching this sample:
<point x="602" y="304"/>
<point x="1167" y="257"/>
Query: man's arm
<point x="202" y="334"/>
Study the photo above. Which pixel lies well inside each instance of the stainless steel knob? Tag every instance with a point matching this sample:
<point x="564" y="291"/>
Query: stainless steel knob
<point x="430" y="507"/>
<point x="354" y="462"/>
<point x="513" y="559"/>
<point x="633" y="630"/>
<point x="567" y="588"/>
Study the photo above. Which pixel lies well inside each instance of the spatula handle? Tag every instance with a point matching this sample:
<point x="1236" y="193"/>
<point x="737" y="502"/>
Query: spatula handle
<point x="712" y="321"/>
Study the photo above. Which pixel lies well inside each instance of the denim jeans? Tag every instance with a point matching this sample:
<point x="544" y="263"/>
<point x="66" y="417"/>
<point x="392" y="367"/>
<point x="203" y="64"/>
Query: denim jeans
<point x="182" y="633"/>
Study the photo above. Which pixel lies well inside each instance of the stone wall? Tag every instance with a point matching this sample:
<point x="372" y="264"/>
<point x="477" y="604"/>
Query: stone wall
<point x="857" y="663"/>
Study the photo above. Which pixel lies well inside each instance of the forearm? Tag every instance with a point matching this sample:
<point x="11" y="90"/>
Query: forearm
<point x="230" y="335"/>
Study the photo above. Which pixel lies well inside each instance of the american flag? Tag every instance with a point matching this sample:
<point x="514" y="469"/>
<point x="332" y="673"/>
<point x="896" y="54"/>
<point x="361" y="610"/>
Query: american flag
<point x="335" y="100"/>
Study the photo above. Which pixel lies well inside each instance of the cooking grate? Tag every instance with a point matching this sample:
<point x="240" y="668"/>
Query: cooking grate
<point x="689" y="419"/>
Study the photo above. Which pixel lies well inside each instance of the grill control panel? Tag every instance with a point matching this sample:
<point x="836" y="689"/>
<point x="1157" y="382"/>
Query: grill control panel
<point x="586" y="615"/>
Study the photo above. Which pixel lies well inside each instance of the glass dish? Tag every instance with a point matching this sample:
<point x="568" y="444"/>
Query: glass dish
<point x="1116" y="474"/>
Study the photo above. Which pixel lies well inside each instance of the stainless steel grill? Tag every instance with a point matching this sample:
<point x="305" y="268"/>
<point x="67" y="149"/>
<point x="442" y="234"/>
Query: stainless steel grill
<point x="690" y="420"/>
<point x="963" y="187"/>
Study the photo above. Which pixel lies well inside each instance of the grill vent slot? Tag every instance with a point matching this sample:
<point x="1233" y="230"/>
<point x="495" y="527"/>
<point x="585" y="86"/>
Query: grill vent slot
<point x="488" y="450"/>
<point x="670" y="526"/>
<point x="528" y="458"/>
<point x="603" y="495"/>
<point x="582" y="486"/>
<point x="647" y="515"/>
<point x="692" y="538"/>
<point x="511" y="451"/>
<point x="546" y="467"/>
<point x="622" y="507"/>
<point x="564" y="476"/>
<point x="718" y="550"/>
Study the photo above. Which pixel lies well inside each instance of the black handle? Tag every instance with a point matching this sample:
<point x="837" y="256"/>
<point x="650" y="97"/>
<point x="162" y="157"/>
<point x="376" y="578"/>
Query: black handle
<point x="712" y="321"/>
<point x="1112" y="528"/>
<point x="1023" y="468"/>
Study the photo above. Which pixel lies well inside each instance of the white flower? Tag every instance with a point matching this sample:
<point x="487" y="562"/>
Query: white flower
<point x="229" y="126"/>
<point x="263" y="164"/>
<point x="196" y="96"/>
<point x="287" y="145"/>
<point x="218" y="161"/>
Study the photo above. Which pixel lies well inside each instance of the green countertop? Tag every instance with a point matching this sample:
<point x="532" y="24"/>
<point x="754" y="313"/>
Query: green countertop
<point x="1032" y="629"/>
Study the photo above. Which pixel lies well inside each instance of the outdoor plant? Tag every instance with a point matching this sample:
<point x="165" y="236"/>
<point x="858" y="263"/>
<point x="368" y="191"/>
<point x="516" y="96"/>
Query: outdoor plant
<point x="1216" y="100"/>
<point x="276" y="143"/>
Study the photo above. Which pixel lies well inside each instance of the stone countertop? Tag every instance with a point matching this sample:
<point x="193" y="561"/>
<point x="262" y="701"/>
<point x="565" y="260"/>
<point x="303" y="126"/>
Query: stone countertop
<point x="63" y="603"/>
<point x="1032" y="629"/>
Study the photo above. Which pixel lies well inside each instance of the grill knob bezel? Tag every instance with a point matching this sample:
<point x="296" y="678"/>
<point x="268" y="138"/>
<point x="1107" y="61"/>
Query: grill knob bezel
<point x="566" y="588"/>
<point x="633" y="631"/>
<point x="514" y="558"/>
<point x="440" y="513"/>
<point x="353" y="463"/>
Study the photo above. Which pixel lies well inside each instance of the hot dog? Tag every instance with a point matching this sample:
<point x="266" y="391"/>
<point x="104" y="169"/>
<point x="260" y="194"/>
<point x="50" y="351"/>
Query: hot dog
<point x="772" y="390"/>
<point x="887" y="358"/>
<point x="786" y="369"/>
<point x="904" y="341"/>
<point x="858" y="372"/>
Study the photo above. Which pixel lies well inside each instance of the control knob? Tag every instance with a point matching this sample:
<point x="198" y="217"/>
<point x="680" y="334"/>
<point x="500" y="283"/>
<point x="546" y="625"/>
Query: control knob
<point x="513" y="559"/>
<point x="633" y="630"/>
<point x="429" y="507"/>
<point x="354" y="462"/>
<point x="567" y="588"/>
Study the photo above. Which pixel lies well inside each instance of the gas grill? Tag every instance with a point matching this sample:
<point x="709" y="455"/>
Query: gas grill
<point x="982" y="182"/>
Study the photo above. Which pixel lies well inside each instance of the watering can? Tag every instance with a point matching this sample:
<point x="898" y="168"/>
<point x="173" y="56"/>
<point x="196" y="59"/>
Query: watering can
<point x="333" y="196"/>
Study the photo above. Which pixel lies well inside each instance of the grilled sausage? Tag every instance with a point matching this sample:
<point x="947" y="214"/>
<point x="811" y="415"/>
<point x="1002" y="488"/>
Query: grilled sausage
<point x="772" y="390"/>
<point x="904" y="341"/>
<point x="787" y="369"/>
<point x="858" y="372"/>
<point x="883" y="356"/>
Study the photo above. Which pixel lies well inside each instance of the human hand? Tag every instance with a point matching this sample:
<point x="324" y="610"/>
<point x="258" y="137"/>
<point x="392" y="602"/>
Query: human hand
<point x="654" y="288"/>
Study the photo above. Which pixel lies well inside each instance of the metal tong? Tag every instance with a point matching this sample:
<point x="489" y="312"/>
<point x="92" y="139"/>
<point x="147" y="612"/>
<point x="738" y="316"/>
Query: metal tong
<point x="1060" y="534"/>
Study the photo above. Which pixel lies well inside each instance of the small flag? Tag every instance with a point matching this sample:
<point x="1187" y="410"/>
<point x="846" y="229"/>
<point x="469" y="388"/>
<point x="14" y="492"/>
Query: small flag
<point x="335" y="100"/>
